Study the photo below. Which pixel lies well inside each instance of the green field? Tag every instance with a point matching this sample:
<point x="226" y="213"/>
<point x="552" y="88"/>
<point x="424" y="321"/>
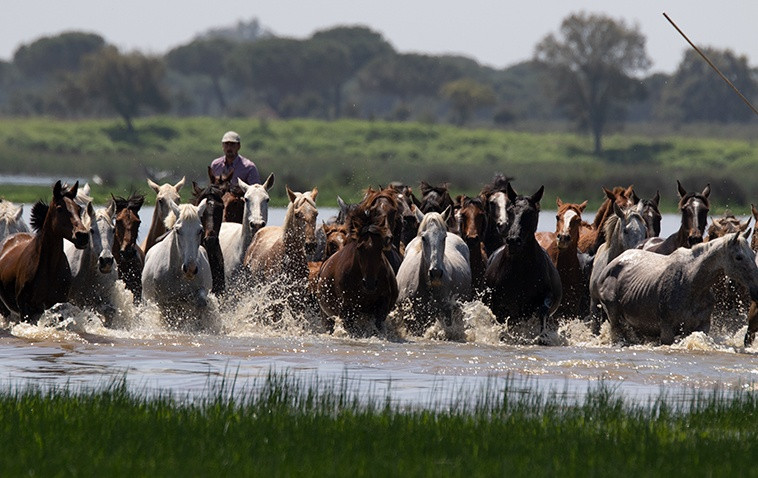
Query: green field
<point x="295" y="427"/>
<point x="344" y="157"/>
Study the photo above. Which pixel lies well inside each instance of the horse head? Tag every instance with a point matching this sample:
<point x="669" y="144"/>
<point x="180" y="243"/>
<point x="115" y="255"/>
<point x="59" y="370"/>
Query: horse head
<point x="255" y="198"/>
<point x="371" y="234"/>
<point x="382" y="207"/>
<point x="214" y="210"/>
<point x="728" y="223"/>
<point x="694" y="208"/>
<point x="433" y="234"/>
<point x="165" y="193"/>
<point x="523" y="216"/>
<point x="186" y="229"/>
<point x="625" y="228"/>
<point x="103" y="222"/>
<point x="336" y="235"/>
<point x="305" y="214"/>
<point x="63" y="214"/>
<point x="651" y="213"/>
<point x="472" y="219"/>
<point x="568" y="223"/>
<point x="127" y="223"/>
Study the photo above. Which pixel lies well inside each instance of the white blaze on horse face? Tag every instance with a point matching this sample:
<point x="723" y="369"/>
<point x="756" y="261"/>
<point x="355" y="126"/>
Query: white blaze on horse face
<point x="500" y="203"/>
<point x="567" y="217"/>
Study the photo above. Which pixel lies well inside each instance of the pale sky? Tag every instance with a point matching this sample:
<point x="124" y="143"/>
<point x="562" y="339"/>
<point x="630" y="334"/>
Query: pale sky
<point x="496" y="33"/>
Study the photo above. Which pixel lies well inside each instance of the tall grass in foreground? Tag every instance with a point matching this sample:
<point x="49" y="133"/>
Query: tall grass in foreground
<point x="291" y="427"/>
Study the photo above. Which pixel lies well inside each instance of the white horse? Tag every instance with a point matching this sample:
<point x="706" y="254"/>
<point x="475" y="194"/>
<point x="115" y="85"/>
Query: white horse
<point x="93" y="271"/>
<point x="177" y="275"/>
<point x="624" y="229"/>
<point x="649" y="296"/>
<point x="11" y="219"/>
<point x="165" y="193"/>
<point x="435" y="273"/>
<point x="235" y="238"/>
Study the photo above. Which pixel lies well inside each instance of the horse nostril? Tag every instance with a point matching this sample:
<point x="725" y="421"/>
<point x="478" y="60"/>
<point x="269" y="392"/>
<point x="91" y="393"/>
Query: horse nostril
<point x="695" y="240"/>
<point x="435" y="273"/>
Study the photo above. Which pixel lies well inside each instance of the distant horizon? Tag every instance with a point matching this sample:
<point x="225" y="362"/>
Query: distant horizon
<point x="493" y="34"/>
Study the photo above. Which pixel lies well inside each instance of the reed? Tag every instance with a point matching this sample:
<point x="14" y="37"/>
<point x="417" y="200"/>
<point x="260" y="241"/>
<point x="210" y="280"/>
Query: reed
<point x="288" y="426"/>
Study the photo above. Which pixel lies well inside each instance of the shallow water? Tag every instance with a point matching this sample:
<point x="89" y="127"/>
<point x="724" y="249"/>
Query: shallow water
<point x="71" y="347"/>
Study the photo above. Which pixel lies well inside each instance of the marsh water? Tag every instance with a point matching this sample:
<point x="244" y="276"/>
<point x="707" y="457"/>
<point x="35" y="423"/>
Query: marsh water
<point x="70" y="347"/>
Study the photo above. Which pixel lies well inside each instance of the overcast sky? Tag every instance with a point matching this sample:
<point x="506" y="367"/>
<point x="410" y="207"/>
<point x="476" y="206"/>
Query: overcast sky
<point x="497" y="33"/>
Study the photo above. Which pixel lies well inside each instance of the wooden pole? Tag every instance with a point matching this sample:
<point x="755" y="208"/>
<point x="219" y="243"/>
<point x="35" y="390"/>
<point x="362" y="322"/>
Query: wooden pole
<point x="750" y="105"/>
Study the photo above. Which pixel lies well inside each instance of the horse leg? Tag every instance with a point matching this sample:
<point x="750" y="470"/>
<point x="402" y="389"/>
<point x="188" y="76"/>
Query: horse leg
<point x="752" y="324"/>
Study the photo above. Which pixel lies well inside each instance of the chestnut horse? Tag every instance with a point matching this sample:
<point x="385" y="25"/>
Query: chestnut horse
<point x="521" y="279"/>
<point x="128" y="255"/>
<point x="383" y="204"/>
<point x="34" y="271"/>
<point x="472" y="224"/>
<point x="211" y="220"/>
<point x="358" y="282"/>
<point x="694" y="208"/>
<point x="564" y="252"/>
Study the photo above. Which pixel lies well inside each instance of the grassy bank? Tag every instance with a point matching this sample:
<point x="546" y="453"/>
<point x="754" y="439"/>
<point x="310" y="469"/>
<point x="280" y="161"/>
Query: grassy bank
<point x="288" y="427"/>
<point x="344" y="157"/>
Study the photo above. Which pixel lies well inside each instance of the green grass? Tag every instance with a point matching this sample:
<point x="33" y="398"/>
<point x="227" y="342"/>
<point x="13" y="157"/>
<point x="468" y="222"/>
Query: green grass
<point x="344" y="157"/>
<point x="294" y="427"/>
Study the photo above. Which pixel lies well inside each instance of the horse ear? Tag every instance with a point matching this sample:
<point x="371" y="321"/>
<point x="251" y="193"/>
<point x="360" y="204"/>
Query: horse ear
<point x="746" y="234"/>
<point x="153" y="185"/>
<point x="196" y="188"/>
<point x="290" y="194"/>
<point x="201" y="206"/>
<point x="57" y="189"/>
<point x="744" y="226"/>
<point x="609" y="194"/>
<point x="174" y="208"/>
<point x="19" y="212"/>
<point x="419" y="215"/>
<point x="617" y="210"/>
<point x="754" y="211"/>
<point x="707" y="190"/>
<point x="314" y="193"/>
<point x="179" y="185"/>
<point x="341" y="203"/>
<point x="510" y="192"/>
<point x="635" y="198"/>
<point x="583" y="206"/>
<point x="90" y="210"/>
<point x="269" y="182"/>
<point x="680" y="189"/>
<point x="657" y="198"/>
<point x="536" y="197"/>
<point x="111" y="209"/>
<point x="211" y="176"/>
<point x="446" y="214"/>
<point x="243" y="184"/>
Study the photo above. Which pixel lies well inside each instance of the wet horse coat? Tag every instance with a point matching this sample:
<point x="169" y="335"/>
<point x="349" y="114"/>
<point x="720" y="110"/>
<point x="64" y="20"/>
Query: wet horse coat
<point x="34" y="271"/>
<point x="129" y="257"/>
<point x="211" y="219"/>
<point x="11" y="219"/>
<point x="165" y="193"/>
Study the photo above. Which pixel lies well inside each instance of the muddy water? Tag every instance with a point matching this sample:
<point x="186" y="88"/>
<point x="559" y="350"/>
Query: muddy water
<point x="70" y="346"/>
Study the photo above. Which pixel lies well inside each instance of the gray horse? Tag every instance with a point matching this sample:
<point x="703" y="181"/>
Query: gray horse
<point x="649" y="296"/>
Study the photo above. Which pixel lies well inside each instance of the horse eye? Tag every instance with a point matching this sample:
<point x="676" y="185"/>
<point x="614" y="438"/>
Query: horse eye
<point x="557" y="217"/>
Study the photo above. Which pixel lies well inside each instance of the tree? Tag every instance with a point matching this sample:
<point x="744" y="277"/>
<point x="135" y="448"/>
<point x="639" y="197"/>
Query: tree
<point x="590" y="67"/>
<point x="51" y="55"/>
<point x="125" y="82"/>
<point x="407" y="75"/>
<point x="203" y="57"/>
<point x="466" y="96"/>
<point x="697" y="93"/>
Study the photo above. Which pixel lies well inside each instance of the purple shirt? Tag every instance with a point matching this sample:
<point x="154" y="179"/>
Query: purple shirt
<point x="243" y="168"/>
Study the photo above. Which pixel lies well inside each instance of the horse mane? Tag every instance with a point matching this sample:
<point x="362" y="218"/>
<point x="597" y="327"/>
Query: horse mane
<point x="692" y="195"/>
<point x="432" y="218"/>
<point x="374" y="194"/>
<point x="498" y="185"/>
<point x="187" y="212"/>
<point x="39" y="212"/>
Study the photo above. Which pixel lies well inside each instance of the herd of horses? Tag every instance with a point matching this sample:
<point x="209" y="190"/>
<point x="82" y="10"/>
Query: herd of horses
<point x="423" y="256"/>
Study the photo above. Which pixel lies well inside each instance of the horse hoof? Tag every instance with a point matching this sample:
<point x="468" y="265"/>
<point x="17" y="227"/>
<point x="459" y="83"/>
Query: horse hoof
<point x="749" y="337"/>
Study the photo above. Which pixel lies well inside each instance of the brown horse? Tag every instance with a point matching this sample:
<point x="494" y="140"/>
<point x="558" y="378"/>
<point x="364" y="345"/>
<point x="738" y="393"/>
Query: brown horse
<point x="472" y="224"/>
<point x="34" y="271"/>
<point x="521" y="279"/>
<point x="128" y="255"/>
<point x="211" y="219"/>
<point x="564" y="252"/>
<point x="694" y="208"/>
<point x="437" y="199"/>
<point x="232" y="197"/>
<point x="726" y="224"/>
<point x="495" y="198"/>
<point x="358" y="281"/>
<point x="590" y="237"/>
<point x="382" y="204"/>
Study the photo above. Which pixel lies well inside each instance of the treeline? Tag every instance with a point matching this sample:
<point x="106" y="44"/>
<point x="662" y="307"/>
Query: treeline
<point x="352" y="71"/>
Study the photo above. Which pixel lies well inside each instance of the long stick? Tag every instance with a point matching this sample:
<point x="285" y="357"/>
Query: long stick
<point x="712" y="65"/>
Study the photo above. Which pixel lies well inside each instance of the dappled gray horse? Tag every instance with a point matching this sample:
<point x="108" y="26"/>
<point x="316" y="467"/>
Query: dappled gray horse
<point x="649" y="296"/>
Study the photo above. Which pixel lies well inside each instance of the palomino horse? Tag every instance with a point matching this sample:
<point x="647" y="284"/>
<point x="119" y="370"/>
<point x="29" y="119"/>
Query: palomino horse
<point x="165" y="194"/>
<point x="34" y="271"/>
<point x="623" y="230"/>
<point x="128" y="255"/>
<point x="657" y="297"/>
<point x="495" y="197"/>
<point x="435" y="274"/>
<point x="234" y="237"/>
<point x="357" y="282"/>
<point x="11" y="219"/>
<point x="177" y="275"/>
<point x="472" y="225"/>
<point x="694" y="208"/>
<point x="521" y="279"/>
<point x="591" y="237"/>
<point x="564" y="252"/>
<point x="277" y="253"/>
<point x="211" y="219"/>
<point x="93" y="275"/>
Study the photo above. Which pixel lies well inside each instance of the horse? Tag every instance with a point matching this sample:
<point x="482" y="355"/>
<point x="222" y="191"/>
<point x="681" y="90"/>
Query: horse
<point x="623" y="230"/>
<point x="521" y="279"/>
<point x="234" y="237"/>
<point x="437" y="199"/>
<point x="130" y="260"/>
<point x="651" y="213"/>
<point x="278" y="253"/>
<point x="591" y="237"/>
<point x="694" y="208"/>
<point x="650" y="296"/>
<point x="472" y="225"/>
<point x="11" y="219"/>
<point x="435" y="274"/>
<point x="495" y="198"/>
<point x="34" y="271"/>
<point x="165" y="193"/>
<point x="726" y="224"/>
<point x="384" y="204"/>
<point x="564" y="252"/>
<point x="211" y="219"/>
<point x="357" y="281"/>
<point x="93" y="275"/>
<point x="231" y="195"/>
<point x="177" y="275"/>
